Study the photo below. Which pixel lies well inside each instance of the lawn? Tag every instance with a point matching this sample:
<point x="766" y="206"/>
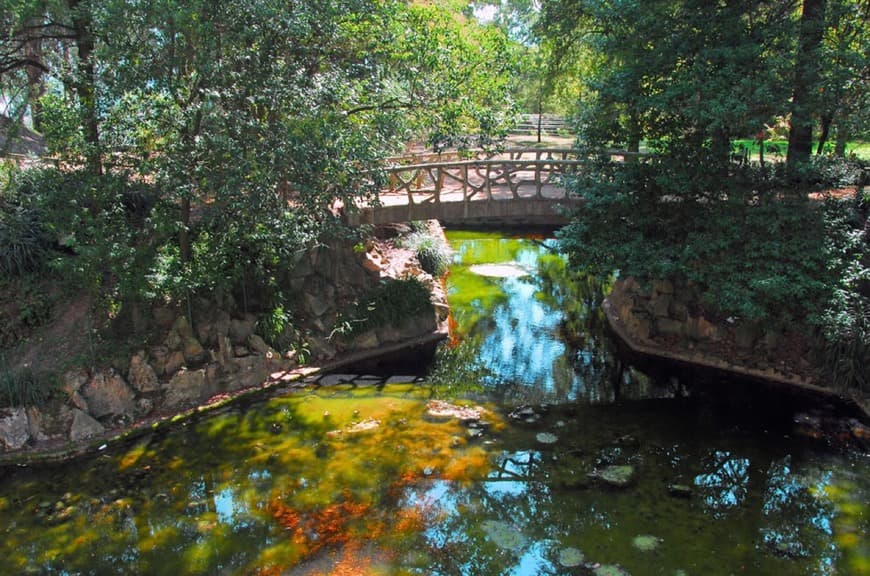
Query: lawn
<point x="774" y="149"/>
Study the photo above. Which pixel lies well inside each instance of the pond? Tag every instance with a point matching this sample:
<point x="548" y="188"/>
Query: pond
<point x="566" y="460"/>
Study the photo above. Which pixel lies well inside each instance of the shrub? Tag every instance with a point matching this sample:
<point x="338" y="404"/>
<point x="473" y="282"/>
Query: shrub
<point x="844" y="327"/>
<point x="390" y="303"/>
<point x="756" y="248"/>
<point x="828" y="171"/>
<point x="24" y="239"/>
<point x="844" y="346"/>
<point x="24" y="243"/>
<point x="432" y="252"/>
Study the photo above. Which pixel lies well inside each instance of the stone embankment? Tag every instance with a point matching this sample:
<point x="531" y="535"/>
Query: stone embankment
<point x="665" y="321"/>
<point x="220" y="356"/>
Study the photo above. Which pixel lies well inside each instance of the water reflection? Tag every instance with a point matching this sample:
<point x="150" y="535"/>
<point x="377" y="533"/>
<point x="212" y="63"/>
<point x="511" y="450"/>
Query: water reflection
<point x="296" y="486"/>
<point x="726" y="483"/>
<point x="539" y="337"/>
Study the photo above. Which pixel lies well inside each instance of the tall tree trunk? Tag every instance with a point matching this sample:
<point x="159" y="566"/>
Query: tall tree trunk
<point x="721" y="147"/>
<point x="184" y="233"/>
<point x="842" y="139"/>
<point x="806" y="78"/>
<point x="826" y="130"/>
<point x="634" y="136"/>
<point x="85" y="82"/>
<point x="35" y="77"/>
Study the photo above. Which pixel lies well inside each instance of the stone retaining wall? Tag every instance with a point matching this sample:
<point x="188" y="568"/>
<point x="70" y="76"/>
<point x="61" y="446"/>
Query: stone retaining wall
<point x="220" y="354"/>
<point x="667" y="319"/>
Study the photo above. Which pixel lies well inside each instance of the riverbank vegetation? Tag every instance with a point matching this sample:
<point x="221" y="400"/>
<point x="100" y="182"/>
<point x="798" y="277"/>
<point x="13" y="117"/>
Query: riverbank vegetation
<point x="196" y="150"/>
<point x="689" y="80"/>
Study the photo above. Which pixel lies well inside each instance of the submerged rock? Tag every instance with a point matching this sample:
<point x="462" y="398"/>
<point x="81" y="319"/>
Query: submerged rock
<point x="615" y="476"/>
<point x="504" y="535"/>
<point x="646" y="543"/>
<point x="546" y="438"/>
<point x="362" y="426"/>
<point x="609" y="570"/>
<point x="570" y="557"/>
<point x="680" y="490"/>
<point x="504" y="270"/>
<point x="442" y="410"/>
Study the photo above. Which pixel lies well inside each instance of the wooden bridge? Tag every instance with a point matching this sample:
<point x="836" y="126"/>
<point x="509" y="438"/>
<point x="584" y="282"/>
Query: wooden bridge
<point x="522" y="186"/>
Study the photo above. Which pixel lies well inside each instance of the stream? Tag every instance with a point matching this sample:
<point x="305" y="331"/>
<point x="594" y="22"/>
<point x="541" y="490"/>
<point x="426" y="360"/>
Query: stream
<point x="567" y="460"/>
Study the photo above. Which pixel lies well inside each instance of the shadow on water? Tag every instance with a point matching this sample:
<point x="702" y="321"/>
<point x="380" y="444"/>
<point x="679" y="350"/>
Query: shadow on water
<point x="580" y="464"/>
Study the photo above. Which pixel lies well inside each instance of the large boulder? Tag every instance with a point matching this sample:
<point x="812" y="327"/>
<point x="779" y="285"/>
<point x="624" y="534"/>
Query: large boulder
<point x="193" y="351"/>
<point x="212" y="326"/>
<point x="249" y="371"/>
<point x="187" y="388"/>
<point x="142" y="376"/>
<point x="241" y="329"/>
<point x="84" y="426"/>
<point x="51" y="421"/>
<point x="14" y="429"/>
<point x="107" y="394"/>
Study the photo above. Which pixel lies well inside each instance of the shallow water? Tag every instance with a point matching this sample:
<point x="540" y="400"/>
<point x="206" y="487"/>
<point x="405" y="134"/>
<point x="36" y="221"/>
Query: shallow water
<point x="356" y="478"/>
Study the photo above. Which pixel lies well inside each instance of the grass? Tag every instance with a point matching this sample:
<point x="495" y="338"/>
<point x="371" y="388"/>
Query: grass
<point x="774" y="149"/>
<point x="22" y="387"/>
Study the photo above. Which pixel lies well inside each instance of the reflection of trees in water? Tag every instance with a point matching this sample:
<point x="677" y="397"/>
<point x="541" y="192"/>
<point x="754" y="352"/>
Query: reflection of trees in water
<point x="725" y="484"/>
<point x="457" y="543"/>
<point x="798" y="520"/>
<point x="543" y="336"/>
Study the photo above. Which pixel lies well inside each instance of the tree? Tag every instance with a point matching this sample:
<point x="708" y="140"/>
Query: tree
<point x="246" y="123"/>
<point x="806" y="82"/>
<point x="689" y="70"/>
<point x="845" y="72"/>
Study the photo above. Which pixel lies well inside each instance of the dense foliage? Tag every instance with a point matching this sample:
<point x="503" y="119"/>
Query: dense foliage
<point x="684" y="79"/>
<point x="756" y="252"/>
<point x="204" y="144"/>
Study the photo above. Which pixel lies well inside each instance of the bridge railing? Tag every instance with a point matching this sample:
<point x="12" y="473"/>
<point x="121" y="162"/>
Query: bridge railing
<point x="509" y="170"/>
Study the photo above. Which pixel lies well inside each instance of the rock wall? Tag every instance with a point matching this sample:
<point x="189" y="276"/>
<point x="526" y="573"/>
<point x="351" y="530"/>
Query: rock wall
<point x="671" y="313"/>
<point x="221" y="353"/>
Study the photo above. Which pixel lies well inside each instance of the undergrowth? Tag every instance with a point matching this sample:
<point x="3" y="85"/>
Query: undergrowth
<point x="22" y="386"/>
<point x="390" y="303"/>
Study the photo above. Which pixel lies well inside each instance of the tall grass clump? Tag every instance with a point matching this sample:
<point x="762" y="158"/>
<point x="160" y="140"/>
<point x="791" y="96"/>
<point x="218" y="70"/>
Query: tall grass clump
<point x="432" y="252"/>
<point x="22" y="387"/>
<point x="24" y="240"/>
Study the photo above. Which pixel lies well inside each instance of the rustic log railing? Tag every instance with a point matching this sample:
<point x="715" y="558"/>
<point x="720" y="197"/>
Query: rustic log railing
<point x="522" y="185"/>
<point x="512" y="169"/>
